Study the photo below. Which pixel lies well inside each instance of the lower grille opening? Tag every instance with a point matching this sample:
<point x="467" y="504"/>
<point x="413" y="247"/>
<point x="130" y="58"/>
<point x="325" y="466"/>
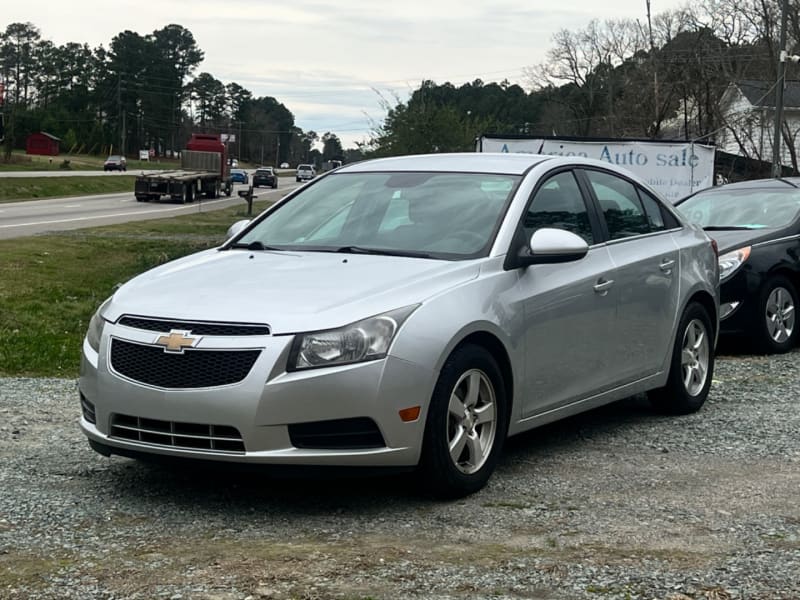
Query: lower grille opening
<point x="192" y="436"/>
<point x="337" y="434"/>
<point x="87" y="408"/>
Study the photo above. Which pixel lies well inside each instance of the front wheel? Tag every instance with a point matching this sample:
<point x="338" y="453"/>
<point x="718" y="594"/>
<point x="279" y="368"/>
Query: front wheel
<point x="691" y="366"/>
<point x="466" y="425"/>
<point x="775" y="330"/>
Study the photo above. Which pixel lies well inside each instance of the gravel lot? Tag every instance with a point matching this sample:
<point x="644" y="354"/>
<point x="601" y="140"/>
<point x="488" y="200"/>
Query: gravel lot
<point x="620" y="503"/>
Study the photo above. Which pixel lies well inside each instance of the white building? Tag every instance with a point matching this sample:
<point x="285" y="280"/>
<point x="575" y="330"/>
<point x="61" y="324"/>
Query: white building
<point x="747" y="109"/>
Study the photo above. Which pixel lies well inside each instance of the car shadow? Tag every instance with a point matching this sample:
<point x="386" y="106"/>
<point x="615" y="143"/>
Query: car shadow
<point x="237" y="489"/>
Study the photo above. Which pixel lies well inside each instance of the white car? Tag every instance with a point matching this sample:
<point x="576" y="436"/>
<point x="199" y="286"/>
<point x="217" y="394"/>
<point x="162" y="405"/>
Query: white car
<point x="305" y="172"/>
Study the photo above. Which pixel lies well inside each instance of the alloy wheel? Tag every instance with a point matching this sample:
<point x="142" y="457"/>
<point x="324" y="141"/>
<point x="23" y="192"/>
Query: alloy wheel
<point x="472" y="421"/>
<point x="779" y="315"/>
<point x="695" y="357"/>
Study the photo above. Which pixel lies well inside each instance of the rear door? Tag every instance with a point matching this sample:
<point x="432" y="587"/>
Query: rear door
<point x="647" y="264"/>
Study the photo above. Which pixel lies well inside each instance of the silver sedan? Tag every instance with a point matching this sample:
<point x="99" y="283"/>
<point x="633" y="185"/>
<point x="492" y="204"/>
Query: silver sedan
<point x="409" y="312"/>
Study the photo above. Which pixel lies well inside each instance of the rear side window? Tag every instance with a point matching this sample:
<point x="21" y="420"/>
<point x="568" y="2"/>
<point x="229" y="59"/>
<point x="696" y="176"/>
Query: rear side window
<point x="623" y="211"/>
<point x="652" y="209"/>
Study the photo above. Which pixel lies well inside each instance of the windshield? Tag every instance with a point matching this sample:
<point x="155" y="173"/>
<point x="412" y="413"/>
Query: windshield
<point x="748" y="208"/>
<point x="442" y="215"/>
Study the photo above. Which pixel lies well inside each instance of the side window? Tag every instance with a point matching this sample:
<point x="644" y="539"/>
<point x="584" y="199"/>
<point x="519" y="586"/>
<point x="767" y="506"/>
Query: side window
<point x="559" y="204"/>
<point x="622" y="209"/>
<point x="652" y="209"/>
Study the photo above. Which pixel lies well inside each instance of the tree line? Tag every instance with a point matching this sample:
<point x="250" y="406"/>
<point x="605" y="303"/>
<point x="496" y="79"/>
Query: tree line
<point x="658" y="77"/>
<point x="142" y="92"/>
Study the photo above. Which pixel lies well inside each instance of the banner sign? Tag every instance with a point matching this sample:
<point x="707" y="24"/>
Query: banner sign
<point x="674" y="169"/>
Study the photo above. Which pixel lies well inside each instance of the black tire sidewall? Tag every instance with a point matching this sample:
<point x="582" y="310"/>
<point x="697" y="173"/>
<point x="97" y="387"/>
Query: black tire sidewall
<point x="439" y="475"/>
<point x="765" y="343"/>
<point x="673" y="398"/>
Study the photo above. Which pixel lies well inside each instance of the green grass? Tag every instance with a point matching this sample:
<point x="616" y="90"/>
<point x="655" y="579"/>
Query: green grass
<point x="50" y="285"/>
<point x="14" y="189"/>
<point x="76" y="162"/>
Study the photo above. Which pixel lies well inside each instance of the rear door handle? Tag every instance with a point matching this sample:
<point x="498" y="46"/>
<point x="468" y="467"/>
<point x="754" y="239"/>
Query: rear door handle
<point x="666" y="265"/>
<point x="602" y="286"/>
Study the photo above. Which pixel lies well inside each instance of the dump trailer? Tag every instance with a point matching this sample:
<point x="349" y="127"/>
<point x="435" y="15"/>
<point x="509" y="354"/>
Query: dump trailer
<point x="204" y="172"/>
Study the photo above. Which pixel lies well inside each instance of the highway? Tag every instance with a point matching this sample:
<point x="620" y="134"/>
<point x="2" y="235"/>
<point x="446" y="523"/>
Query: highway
<point x="30" y="217"/>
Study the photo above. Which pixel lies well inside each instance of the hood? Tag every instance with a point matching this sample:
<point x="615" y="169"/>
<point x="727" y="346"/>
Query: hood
<point x="731" y="239"/>
<point x="289" y="291"/>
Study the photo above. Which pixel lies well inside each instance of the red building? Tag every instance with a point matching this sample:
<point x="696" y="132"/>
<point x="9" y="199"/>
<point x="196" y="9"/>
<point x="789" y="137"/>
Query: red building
<point x="42" y="143"/>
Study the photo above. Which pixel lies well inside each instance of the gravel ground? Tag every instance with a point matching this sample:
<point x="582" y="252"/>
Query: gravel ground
<point x="619" y="503"/>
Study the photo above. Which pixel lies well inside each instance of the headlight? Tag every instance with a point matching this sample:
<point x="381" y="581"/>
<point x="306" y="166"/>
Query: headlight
<point x="96" y="327"/>
<point x="361" y="341"/>
<point x="730" y="262"/>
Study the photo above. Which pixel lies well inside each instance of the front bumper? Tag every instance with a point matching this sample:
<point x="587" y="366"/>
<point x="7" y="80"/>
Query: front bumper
<point x="266" y="409"/>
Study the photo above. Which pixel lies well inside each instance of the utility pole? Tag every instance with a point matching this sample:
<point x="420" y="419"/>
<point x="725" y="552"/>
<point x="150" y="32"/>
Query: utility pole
<point x="781" y="83"/>
<point x="119" y="107"/>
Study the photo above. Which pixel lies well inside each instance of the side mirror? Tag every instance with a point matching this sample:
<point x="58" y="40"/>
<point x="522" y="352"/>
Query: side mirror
<point x="551" y="246"/>
<point x="236" y="228"/>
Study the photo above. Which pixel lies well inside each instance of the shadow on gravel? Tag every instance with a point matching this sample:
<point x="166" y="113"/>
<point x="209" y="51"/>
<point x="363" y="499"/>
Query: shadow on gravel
<point x="581" y="429"/>
<point x="242" y="490"/>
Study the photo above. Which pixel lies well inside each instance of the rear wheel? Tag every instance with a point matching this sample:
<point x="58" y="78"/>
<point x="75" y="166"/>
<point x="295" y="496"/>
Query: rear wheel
<point x="691" y="367"/>
<point x="466" y="424"/>
<point x="776" y="329"/>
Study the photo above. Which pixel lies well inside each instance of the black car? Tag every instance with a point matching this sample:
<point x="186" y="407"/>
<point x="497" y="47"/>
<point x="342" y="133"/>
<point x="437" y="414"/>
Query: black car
<point x="756" y="225"/>
<point x="265" y="176"/>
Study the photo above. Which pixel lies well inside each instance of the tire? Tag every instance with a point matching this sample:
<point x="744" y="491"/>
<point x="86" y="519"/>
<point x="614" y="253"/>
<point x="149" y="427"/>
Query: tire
<point x="776" y="325"/>
<point x="691" y="367"/>
<point x="468" y="405"/>
<point x="275" y="186"/>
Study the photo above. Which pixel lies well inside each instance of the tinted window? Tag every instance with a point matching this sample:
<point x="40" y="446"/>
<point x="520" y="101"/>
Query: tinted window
<point x="559" y="204"/>
<point x="622" y="209"/>
<point x="652" y="209"/>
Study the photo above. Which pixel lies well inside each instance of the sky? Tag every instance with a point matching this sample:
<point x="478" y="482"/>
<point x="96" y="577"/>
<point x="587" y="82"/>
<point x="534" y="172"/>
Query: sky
<point x="334" y="64"/>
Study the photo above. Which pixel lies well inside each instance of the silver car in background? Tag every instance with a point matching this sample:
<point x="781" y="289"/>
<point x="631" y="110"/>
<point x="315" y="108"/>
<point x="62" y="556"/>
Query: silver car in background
<point x="409" y="312"/>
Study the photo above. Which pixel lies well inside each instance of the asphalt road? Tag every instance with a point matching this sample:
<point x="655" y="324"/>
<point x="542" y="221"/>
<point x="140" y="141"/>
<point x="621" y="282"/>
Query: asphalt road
<point x="18" y="219"/>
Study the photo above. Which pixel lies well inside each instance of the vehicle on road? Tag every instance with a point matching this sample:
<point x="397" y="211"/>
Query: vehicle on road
<point x="305" y="172"/>
<point x="115" y="162"/>
<point x="204" y="172"/>
<point x="757" y="227"/>
<point x="239" y="176"/>
<point x="265" y="176"/>
<point x="411" y="313"/>
<point x="284" y="165"/>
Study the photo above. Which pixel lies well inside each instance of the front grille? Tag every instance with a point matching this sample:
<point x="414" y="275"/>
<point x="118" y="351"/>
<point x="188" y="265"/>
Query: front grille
<point x="192" y="436"/>
<point x="196" y="327"/>
<point x="191" y="369"/>
<point x="337" y="434"/>
<point x="88" y="410"/>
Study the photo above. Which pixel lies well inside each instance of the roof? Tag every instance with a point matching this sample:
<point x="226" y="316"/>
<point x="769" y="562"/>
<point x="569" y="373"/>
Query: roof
<point x="762" y="93"/>
<point x="50" y="135"/>
<point x="467" y="162"/>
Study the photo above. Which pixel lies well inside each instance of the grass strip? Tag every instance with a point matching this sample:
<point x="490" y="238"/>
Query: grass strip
<point x="50" y="285"/>
<point x="13" y="189"/>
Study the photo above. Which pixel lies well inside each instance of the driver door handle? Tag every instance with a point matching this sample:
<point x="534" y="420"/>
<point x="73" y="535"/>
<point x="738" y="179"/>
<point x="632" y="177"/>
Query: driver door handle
<point x="603" y="285"/>
<point x="666" y="265"/>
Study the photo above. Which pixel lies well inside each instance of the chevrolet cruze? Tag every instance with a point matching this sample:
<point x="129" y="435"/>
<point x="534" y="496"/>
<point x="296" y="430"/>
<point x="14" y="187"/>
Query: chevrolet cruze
<point x="409" y="312"/>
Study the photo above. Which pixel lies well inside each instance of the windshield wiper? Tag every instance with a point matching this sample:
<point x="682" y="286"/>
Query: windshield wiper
<point x="380" y="251"/>
<point x="255" y="245"/>
<point x="728" y="228"/>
